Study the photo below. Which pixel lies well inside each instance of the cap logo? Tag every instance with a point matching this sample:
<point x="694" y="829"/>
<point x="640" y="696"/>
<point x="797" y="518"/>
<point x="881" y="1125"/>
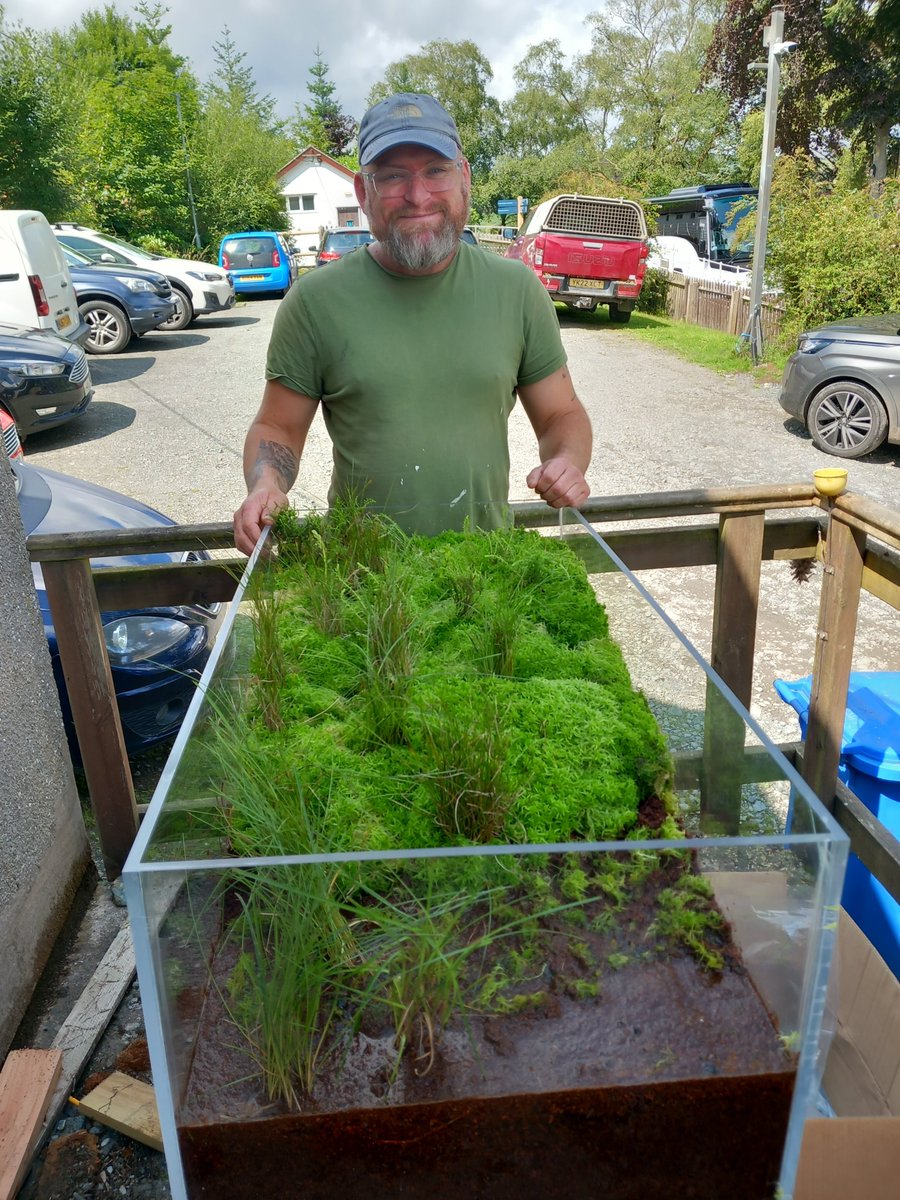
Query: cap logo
<point x="402" y="111"/>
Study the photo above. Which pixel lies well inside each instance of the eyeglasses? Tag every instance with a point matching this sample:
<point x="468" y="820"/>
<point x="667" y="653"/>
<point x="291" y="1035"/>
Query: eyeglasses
<point x="389" y="182"/>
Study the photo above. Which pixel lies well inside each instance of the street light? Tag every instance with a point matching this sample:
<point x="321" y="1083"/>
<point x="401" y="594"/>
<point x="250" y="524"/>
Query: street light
<point x="778" y="48"/>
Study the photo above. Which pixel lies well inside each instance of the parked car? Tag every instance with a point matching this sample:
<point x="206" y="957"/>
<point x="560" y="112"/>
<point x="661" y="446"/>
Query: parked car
<point x="335" y="243"/>
<point x="9" y="435"/>
<point x="257" y="262"/>
<point x="156" y="654"/>
<point x="44" y="379"/>
<point x="468" y="236"/>
<point x="198" y="288"/>
<point x="118" y="303"/>
<point x="587" y="250"/>
<point x="35" y="286"/>
<point x="843" y="382"/>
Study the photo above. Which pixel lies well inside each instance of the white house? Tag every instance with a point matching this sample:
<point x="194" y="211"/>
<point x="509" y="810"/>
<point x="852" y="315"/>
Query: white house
<point x="318" y="194"/>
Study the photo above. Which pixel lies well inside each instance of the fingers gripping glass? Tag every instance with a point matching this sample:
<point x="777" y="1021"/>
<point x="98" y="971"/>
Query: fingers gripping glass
<point x="394" y="181"/>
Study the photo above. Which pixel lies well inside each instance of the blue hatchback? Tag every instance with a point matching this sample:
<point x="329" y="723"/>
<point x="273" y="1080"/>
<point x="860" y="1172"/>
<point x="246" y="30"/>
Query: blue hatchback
<point x="257" y="262"/>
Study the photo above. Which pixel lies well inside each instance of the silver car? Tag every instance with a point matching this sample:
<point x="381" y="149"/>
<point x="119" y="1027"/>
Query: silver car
<point x="843" y="382"/>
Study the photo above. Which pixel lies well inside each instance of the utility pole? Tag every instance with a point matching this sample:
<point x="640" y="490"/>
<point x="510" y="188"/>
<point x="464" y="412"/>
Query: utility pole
<point x="187" y="168"/>
<point x="773" y="36"/>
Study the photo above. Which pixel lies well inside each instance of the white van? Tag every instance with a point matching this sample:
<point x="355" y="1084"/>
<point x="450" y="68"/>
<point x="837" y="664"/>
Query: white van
<point x="35" y="285"/>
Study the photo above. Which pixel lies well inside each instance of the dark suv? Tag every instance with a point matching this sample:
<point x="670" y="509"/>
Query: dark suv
<point x="336" y="243"/>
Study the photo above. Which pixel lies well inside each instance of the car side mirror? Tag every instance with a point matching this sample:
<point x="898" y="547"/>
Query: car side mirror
<point x="106" y="258"/>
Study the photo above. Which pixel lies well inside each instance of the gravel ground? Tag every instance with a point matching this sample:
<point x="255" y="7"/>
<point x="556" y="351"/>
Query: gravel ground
<point x="167" y="426"/>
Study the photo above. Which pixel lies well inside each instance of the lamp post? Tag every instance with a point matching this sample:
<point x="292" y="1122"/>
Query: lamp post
<point x="772" y="37"/>
<point x="187" y="168"/>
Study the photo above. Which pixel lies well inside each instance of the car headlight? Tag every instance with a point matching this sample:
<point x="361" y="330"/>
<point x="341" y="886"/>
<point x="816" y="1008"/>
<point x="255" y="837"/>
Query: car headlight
<point x="811" y="345"/>
<point x="36" y="369"/>
<point x="136" y="285"/>
<point x="135" y="639"/>
<point x="207" y="276"/>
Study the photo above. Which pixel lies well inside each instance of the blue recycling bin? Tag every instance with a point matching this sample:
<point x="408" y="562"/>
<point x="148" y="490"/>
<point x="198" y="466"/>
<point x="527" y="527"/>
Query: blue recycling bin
<point x="870" y="767"/>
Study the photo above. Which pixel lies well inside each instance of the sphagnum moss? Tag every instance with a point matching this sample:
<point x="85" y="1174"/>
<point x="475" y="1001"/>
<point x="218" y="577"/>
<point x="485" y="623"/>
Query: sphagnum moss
<point x="469" y="692"/>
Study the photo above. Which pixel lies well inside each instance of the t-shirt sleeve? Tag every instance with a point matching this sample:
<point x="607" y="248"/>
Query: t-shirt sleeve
<point x="293" y="356"/>
<point x="543" y="351"/>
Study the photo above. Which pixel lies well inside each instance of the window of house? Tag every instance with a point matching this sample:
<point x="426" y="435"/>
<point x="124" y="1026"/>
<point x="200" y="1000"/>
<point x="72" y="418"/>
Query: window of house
<point x="301" y="203"/>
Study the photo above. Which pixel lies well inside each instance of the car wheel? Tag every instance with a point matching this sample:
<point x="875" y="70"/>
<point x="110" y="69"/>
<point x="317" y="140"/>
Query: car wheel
<point x="183" y="314"/>
<point x="110" y="329"/>
<point x="619" y="316"/>
<point x="847" y="419"/>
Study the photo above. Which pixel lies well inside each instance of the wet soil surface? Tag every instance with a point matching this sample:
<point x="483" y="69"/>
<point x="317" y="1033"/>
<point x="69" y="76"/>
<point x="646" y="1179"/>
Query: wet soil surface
<point x="656" y="1078"/>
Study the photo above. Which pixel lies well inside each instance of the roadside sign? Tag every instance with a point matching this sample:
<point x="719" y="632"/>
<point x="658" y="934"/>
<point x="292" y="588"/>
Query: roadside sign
<point x="509" y="208"/>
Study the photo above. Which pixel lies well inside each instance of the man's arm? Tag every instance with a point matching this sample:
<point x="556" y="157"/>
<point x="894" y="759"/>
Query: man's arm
<point x="563" y="432"/>
<point x="272" y="453"/>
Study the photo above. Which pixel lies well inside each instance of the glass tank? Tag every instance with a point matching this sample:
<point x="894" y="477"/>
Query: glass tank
<point x="467" y="876"/>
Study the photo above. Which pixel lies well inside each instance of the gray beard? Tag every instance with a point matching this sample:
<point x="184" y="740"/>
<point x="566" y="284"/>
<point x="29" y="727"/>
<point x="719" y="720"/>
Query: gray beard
<point x="421" y="254"/>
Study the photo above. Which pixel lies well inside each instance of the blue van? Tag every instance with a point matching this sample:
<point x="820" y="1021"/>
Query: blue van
<point x="257" y="261"/>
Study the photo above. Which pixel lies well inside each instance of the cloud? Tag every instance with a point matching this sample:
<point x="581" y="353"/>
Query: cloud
<point x="358" y="38"/>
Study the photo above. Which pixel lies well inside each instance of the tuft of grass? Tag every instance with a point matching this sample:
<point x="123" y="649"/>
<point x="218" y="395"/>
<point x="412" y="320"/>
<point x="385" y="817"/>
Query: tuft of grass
<point x="268" y="661"/>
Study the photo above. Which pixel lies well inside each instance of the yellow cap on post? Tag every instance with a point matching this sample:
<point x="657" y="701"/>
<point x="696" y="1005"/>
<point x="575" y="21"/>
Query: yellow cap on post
<point x="830" y="481"/>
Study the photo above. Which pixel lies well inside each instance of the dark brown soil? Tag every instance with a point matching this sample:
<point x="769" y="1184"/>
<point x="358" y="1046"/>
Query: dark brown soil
<point x="672" y="1083"/>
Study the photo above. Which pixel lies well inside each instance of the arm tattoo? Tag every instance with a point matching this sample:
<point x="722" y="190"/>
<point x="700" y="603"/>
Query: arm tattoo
<point x="279" y="456"/>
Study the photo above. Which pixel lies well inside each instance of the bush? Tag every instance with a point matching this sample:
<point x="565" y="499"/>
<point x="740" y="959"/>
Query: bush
<point x="655" y="288"/>
<point x="834" y="248"/>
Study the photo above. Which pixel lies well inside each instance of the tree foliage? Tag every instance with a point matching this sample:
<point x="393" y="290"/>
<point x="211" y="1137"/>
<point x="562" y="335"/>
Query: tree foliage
<point x="457" y="74"/>
<point x="321" y="122"/>
<point x="232" y="87"/>
<point x="833" y="248"/>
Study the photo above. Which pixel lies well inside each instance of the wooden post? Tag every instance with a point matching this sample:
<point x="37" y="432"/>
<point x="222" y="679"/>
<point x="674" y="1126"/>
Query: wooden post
<point x="82" y="652"/>
<point x="735" y="611"/>
<point x="692" y="305"/>
<point x="734" y="311"/>
<point x="845" y="550"/>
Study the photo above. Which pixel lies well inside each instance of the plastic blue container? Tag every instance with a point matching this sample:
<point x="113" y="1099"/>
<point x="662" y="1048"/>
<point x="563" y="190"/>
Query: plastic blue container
<point x="870" y="767"/>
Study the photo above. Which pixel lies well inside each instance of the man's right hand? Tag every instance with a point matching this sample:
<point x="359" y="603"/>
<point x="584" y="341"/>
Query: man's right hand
<point x="257" y="511"/>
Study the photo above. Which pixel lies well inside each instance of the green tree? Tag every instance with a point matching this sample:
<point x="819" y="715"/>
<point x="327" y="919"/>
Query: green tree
<point x="32" y="126"/>
<point x="554" y="104"/>
<point x="233" y="86"/>
<point x="457" y="74"/>
<point x="321" y="122"/>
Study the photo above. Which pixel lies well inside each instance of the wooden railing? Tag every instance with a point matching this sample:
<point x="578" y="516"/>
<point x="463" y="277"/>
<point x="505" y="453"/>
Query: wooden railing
<point x="857" y="540"/>
<point x="719" y="304"/>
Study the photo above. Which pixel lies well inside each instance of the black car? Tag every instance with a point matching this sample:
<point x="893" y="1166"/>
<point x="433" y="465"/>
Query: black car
<point x="336" y="243"/>
<point x="118" y="303"/>
<point x="44" y="379"/>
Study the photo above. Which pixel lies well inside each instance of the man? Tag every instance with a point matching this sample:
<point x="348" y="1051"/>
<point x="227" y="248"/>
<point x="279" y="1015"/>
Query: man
<point x="416" y="347"/>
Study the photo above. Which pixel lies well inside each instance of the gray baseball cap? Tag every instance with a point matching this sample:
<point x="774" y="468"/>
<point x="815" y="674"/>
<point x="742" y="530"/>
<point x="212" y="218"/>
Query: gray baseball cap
<point x="407" y="118"/>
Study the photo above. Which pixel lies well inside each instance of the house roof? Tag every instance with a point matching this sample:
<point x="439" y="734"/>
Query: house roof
<point x="313" y="152"/>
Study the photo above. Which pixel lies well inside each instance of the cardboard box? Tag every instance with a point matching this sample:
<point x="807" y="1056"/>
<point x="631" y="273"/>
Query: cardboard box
<point x="856" y="1154"/>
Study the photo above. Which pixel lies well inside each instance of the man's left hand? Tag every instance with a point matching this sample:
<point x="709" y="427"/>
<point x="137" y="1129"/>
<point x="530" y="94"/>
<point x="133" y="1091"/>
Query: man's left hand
<point x="559" y="483"/>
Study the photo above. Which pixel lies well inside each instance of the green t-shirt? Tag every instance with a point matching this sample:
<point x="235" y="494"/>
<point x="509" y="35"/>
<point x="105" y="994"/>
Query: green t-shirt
<point x="417" y="378"/>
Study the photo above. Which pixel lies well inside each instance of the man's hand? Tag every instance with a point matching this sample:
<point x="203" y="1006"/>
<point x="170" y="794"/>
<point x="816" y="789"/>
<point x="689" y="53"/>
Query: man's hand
<point x="257" y="511"/>
<point x="559" y="483"/>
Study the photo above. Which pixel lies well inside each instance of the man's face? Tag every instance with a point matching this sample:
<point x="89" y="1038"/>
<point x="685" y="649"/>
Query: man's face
<point x="419" y="229"/>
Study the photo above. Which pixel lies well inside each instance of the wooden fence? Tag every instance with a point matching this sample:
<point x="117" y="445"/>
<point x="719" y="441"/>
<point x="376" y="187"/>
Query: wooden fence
<point x="719" y="304"/>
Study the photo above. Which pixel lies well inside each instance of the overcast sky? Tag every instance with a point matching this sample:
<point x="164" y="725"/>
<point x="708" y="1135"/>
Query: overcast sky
<point x="358" y="38"/>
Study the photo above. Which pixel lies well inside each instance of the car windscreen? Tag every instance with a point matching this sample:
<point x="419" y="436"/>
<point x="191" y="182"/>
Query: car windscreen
<point x="250" y="251"/>
<point x="347" y="241"/>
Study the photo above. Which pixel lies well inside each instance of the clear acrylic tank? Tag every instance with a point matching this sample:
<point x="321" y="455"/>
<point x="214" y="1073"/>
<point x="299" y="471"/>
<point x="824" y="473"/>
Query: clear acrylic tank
<point x="633" y="1009"/>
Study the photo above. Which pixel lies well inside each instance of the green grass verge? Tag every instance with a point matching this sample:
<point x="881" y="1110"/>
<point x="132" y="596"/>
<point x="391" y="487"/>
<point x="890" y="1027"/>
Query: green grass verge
<point x="706" y="347"/>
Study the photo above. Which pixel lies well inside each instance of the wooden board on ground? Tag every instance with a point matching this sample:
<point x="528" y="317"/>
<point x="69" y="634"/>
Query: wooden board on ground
<point x="26" y="1085"/>
<point x="85" y="1024"/>
<point x="125" y="1104"/>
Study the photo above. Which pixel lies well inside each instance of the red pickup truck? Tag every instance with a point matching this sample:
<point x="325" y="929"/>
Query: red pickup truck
<point x="587" y="250"/>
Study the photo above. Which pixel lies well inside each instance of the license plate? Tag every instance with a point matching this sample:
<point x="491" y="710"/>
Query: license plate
<point x="63" y="322"/>
<point x="587" y="283"/>
<point x="254" y="277"/>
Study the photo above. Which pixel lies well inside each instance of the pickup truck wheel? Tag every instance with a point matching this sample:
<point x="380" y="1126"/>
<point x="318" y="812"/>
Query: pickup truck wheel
<point x="619" y="316"/>
<point x="110" y="329"/>
<point x="847" y="419"/>
<point x="183" y="314"/>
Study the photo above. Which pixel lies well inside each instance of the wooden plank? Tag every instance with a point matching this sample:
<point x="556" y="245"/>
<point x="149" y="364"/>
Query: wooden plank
<point x="93" y="1010"/>
<point x="838" y="608"/>
<point x="52" y="547"/>
<point x="881" y="575"/>
<point x="167" y="583"/>
<point x="82" y="652"/>
<point x="27" y="1082"/>
<point x="127" y="1105"/>
<point x="869" y="516"/>
<point x="735" y="612"/>
<point x="870" y="840"/>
